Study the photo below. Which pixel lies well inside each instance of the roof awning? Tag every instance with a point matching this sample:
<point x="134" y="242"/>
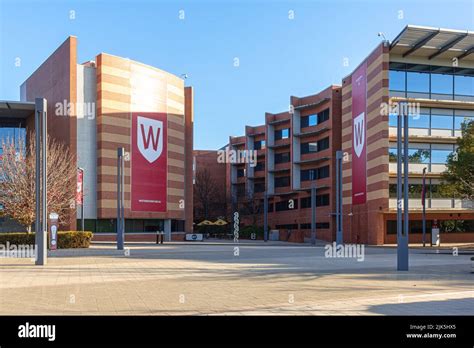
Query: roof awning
<point x="16" y="110"/>
<point x="431" y="43"/>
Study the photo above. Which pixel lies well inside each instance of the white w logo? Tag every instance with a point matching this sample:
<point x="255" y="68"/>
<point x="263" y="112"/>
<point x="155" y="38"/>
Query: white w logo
<point x="359" y="133"/>
<point x="149" y="138"/>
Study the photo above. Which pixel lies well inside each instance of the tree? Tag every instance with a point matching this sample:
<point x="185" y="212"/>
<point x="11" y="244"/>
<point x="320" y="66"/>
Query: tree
<point x="207" y="195"/>
<point x="252" y="207"/>
<point x="17" y="180"/>
<point x="459" y="176"/>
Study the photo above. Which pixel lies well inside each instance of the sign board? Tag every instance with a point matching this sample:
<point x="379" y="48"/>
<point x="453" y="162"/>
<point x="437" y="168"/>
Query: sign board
<point x="53" y="231"/>
<point x="435" y="237"/>
<point x="194" y="236"/>
<point x="80" y="187"/>
<point x="149" y="162"/>
<point x="359" y="135"/>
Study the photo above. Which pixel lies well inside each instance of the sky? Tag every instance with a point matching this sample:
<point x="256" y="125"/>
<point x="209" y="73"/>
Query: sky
<point x="243" y="58"/>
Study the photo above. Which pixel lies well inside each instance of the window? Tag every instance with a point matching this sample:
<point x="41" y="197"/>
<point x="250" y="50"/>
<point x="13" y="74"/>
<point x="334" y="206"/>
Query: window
<point x="282" y="133"/>
<point x="259" y="187"/>
<point x="282" y="157"/>
<point x="287" y="227"/>
<point x="308" y="121"/>
<point x="319" y="225"/>
<point x="282" y="181"/>
<point x="317" y="146"/>
<point x="418" y="82"/>
<point x="314" y="174"/>
<point x="442" y="84"/>
<point x="440" y="156"/>
<point x="397" y="80"/>
<point x="321" y="200"/>
<point x="259" y="145"/>
<point x="464" y="85"/>
<point x="418" y="155"/>
<point x="458" y="120"/>
<point x="286" y="205"/>
<point x="240" y="172"/>
<point x="392" y="155"/>
<point x="442" y="119"/>
<point x="260" y="166"/>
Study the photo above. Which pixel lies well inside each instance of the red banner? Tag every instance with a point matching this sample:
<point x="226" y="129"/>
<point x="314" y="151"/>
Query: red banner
<point x="80" y="187"/>
<point x="149" y="162"/>
<point x="359" y="135"/>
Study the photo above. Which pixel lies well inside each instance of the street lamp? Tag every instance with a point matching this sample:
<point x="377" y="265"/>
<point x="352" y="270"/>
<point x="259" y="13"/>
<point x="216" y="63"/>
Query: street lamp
<point x="423" y="202"/>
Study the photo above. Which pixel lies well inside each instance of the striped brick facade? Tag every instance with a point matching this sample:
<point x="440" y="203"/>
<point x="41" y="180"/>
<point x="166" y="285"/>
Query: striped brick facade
<point x="364" y="222"/>
<point x="123" y="87"/>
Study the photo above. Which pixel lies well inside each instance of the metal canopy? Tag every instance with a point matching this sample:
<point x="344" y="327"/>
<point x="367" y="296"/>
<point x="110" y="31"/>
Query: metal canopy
<point x="14" y="109"/>
<point x="431" y="43"/>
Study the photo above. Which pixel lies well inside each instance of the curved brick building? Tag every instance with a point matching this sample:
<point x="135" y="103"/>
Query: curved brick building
<point x="112" y="102"/>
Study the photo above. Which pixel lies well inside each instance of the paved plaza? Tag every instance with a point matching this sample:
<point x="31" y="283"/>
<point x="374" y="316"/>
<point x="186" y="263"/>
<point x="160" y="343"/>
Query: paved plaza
<point x="207" y="278"/>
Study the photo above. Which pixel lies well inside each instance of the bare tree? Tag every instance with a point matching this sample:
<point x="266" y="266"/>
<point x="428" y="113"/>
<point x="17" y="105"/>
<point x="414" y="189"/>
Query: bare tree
<point x="17" y="180"/>
<point x="207" y="195"/>
<point x="251" y="206"/>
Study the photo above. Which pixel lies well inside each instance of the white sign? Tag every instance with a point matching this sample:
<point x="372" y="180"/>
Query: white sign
<point x="194" y="236"/>
<point x="149" y="138"/>
<point x="435" y="236"/>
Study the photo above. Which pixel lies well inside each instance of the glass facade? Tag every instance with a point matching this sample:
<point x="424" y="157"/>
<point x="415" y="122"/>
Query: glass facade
<point x="436" y="119"/>
<point x="12" y="132"/>
<point x="424" y="153"/>
<point x="433" y="82"/>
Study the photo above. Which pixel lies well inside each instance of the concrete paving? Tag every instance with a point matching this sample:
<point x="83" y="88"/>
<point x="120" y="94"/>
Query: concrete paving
<point x="208" y="278"/>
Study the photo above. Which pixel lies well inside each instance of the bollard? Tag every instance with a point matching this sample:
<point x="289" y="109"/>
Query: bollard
<point x="157" y="237"/>
<point x="162" y="236"/>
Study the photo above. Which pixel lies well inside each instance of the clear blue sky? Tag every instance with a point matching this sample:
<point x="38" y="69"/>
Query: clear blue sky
<point x="278" y="57"/>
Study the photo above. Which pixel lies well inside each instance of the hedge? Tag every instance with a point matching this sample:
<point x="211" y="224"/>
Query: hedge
<point x="66" y="239"/>
<point x="246" y="232"/>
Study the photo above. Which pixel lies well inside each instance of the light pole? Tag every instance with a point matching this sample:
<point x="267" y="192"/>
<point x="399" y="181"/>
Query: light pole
<point x="41" y="222"/>
<point x="265" y="216"/>
<point x="120" y="199"/>
<point x="402" y="230"/>
<point x="313" y="209"/>
<point x="423" y="202"/>
<point x="339" y="236"/>
<point x="81" y="170"/>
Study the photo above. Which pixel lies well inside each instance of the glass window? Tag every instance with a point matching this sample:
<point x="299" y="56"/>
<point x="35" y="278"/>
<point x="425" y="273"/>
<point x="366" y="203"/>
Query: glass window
<point x="458" y="120"/>
<point x="419" y="121"/>
<point x="440" y="156"/>
<point x="282" y="181"/>
<point x="307" y="121"/>
<point x="396" y="80"/>
<point x="463" y="85"/>
<point x="418" y="82"/>
<point x="309" y="147"/>
<point x="282" y="134"/>
<point x="418" y="155"/>
<point x="240" y="173"/>
<point x="282" y="157"/>
<point x="323" y="116"/>
<point x="442" y="121"/>
<point x="258" y="145"/>
<point x="442" y="84"/>
<point x="260" y="166"/>
<point x="392" y="154"/>
<point x="392" y="120"/>
<point x="323" y="144"/>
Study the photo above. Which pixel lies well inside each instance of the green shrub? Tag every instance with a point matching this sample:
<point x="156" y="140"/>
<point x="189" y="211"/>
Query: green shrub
<point x="246" y="232"/>
<point x="66" y="239"/>
<point x="212" y="230"/>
